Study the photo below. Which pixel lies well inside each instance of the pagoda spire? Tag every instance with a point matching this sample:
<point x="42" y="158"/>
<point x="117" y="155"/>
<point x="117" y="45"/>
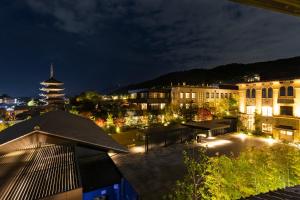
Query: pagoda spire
<point x="51" y="71"/>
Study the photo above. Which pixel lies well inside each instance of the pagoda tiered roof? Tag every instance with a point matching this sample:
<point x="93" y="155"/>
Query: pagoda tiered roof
<point x="52" y="90"/>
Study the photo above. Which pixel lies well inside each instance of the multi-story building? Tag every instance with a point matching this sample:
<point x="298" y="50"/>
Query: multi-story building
<point x="185" y="96"/>
<point x="277" y="103"/>
<point x="150" y="99"/>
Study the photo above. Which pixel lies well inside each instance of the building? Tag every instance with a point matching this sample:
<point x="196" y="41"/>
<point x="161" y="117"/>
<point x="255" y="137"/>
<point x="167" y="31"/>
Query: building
<point x="185" y="95"/>
<point x="52" y="91"/>
<point x="276" y="103"/>
<point x="150" y="99"/>
<point x="59" y="155"/>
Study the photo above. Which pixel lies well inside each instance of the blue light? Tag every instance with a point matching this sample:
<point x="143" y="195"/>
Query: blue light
<point x="103" y="192"/>
<point x="116" y="186"/>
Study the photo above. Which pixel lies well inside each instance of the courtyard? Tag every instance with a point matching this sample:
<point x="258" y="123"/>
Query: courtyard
<point x="154" y="174"/>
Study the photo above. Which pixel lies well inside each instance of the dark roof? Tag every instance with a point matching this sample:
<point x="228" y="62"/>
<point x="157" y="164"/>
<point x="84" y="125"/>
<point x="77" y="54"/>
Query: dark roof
<point x="62" y="125"/>
<point x="52" y="80"/>
<point x="291" y="193"/>
<point x="285" y="127"/>
<point x="38" y="173"/>
<point x="210" y="124"/>
<point x="107" y="173"/>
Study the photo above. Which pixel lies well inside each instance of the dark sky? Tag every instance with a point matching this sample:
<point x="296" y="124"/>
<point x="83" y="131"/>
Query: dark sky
<point x="100" y="44"/>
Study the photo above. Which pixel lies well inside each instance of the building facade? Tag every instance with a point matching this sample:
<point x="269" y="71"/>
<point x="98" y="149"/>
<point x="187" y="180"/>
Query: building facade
<point x="276" y="104"/>
<point x="185" y="96"/>
<point x="150" y="99"/>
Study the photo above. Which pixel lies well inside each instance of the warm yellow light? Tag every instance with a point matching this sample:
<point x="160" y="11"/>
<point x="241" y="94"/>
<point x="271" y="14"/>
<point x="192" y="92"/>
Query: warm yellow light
<point x="137" y="149"/>
<point x="118" y="130"/>
<point x="216" y="143"/>
<point x="241" y="136"/>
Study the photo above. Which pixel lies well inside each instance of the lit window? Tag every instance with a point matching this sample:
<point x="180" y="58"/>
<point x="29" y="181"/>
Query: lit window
<point x="207" y="95"/>
<point x="290" y="133"/>
<point x="266" y="127"/>
<point x="162" y="106"/>
<point x="250" y="110"/>
<point x="133" y="95"/>
<point x="181" y="105"/>
<point x="181" y="95"/>
<point x="187" y="95"/>
<point x="193" y="95"/>
<point x="266" y="111"/>
<point x="187" y="106"/>
<point x="286" y="132"/>
<point x="144" y="106"/>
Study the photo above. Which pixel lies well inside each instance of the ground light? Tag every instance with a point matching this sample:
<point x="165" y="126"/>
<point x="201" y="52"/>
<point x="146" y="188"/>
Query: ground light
<point x="241" y="136"/>
<point x="137" y="149"/>
<point x="270" y="141"/>
<point x="215" y="143"/>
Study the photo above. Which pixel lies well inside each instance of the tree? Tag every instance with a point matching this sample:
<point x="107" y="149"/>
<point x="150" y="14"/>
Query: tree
<point x="204" y="114"/>
<point x="188" y="113"/>
<point x="192" y="186"/>
<point x="257" y="124"/>
<point x="254" y="171"/>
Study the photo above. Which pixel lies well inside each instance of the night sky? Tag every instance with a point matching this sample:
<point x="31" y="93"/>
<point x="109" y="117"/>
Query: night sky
<point x="102" y="44"/>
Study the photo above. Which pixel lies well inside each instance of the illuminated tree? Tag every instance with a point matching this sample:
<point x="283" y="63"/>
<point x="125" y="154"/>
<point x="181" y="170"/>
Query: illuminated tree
<point x="192" y="186"/>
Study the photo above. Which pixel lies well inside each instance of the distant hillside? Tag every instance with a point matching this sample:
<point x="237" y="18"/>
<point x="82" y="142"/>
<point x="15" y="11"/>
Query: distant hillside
<point x="231" y="73"/>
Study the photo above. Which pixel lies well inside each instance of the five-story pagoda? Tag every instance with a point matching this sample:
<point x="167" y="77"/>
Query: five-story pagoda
<point x="52" y="91"/>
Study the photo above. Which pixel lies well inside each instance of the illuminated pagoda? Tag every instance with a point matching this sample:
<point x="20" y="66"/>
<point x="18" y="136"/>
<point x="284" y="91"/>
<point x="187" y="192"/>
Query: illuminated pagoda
<point x="52" y="91"/>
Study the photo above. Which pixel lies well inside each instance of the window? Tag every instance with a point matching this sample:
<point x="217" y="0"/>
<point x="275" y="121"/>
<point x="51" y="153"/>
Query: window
<point x="162" y="95"/>
<point x="270" y="93"/>
<point x="193" y="95"/>
<point x="144" y="106"/>
<point x="181" y="105"/>
<point x="266" y="111"/>
<point x="187" y="106"/>
<point x="217" y="95"/>
<point x="267" y="128"/>
<point x="162" y="106"/>
<point x="264" y="93"/>
<point x="286" y="110"/>
<point x="226" y="95"/>
<point x="207" y="95"/>
<point x="212" y="95"/>
<point x="286" y="132"/>
<point x="230" y="95"/>
<point x="248" y="93"/>
<point x="290" y="91"/>
<point x="282" y="91"/>
<point x="181" y="95"/>
<point x="222" y="95"/>
<point x="253" y="93"/>
<point x="187" y="95"/>
<point x="250" y="110"/>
